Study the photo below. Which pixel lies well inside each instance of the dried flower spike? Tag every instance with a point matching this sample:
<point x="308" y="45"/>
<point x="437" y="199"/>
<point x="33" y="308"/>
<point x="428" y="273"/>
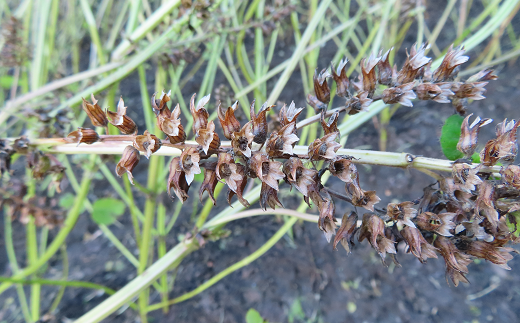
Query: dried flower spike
<point x="325" y="147"/>
<point x="402" y="94"/>
<point x="129" y="160"/>
<point x="419" y="247"/>
<point x="199" y="113"/>
<point x="282" y="142"/>
<point x="189" y="162"/>
<point x="259" y="122"/>
<point x="241" y="141"/>
<point x="346" y="231"/>
<point x="402" y="212"/>
<point x="452" y="59"/>
<point x="177" y="181"/>
<point x="368" y="72"/>
<point x="289" y="114"/>
<point x="209" y="184"/>
<point x="267" y="171"/>
<point x="373" y="229"/>
<point x="121" y="120"/>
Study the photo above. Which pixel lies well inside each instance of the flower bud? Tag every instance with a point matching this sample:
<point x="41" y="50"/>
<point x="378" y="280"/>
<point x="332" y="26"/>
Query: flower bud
<point x="228" y="121"/>
<point x="341" y="79"/>
<point x="147" y="143"/>
<point x="94" y="112"/>
<point x="129" y="160"/>
<point x="119" y="119"/>
<point x="83" y="135"/>
<point x="321" y="88"/>
<point x="469" y="135"/>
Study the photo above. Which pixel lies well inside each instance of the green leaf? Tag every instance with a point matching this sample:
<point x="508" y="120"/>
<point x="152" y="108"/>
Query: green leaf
<point x="253" y="316"/>
<point x="106" y="210"/>
<point x="296" y="311"/>
<point x="450" y="137"/>
<point x="67" y="200"/>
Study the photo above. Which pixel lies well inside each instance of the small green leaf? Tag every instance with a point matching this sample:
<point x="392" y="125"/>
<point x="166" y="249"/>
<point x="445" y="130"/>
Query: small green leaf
<point x="106" y="210"/>
<point x="253" y="316"/>
<point x="296" y="311"/>
<point x="351" y="307"/>
<point x="450" y="137"/>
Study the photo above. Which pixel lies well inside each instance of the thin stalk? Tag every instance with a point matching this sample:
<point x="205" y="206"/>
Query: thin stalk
<point x="208" y="206"/>
<point x="133" y="211"/>
<point x="37" y="67"/>
<point x="32" y="258"/>
<point x="93" y="29"/>
<point x="161" y="251"/>
<point x="65" y="275"/>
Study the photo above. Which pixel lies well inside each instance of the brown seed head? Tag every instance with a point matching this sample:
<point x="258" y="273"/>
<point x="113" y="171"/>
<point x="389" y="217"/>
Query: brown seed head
<point x="368" y="72"/>
<point x="413" y="63"/>
<point x="325" y="147"/>
<point x="489" y="251"/>
<point x="208" y="138"/>
<point x="282" y="142"/>
<point x="456" y="261"/>
<point x="402" y="212"/>
<point x="119" y="119"/>
<point x="241" y="185"/>
<point x="469" y="135"/>
<point x="359" y="102"/>
<point x="452" y="59"/>
<point x="331" y="125"/>
<point x="385" y="75"/>
<point x="439" y="223"/>
<point x="267" y="171"/>
<point x="437" y="92"/>
<point x="129" y="160"/>
<point x="484" y="205"/>
<point x="199" y="113"/>
<point x="465" y="176"/>
<point x="242" y="141"/>
<point x="209" y="184"/>
<point x="373" y="229"/>
<point x="419" y="247"/>
<point x="177" y="181"/>
<point x="300" y="177"/>
<point x="189" y="162"/>
<point x="402" y="94"/>
<point x="511" y="176"/>
<point x="259" y="122"/>
<point x="227" y="170"/>
<point x="289" y="114"/>
<point x="269" y="197"/>
<point x="365" y="199"/>
<point x="94" y="112"/>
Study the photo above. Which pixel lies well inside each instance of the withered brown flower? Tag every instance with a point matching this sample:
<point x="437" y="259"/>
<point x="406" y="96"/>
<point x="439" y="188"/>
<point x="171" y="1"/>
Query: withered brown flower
<point x="315" y="103"/>
<point x="439" y="223"/>
<point x="402" y="94"/>
<point x="199" y="113"/>
<point x="121" y="120"/>
<point x="484" y="204"/>
<point x="241" y="185"/>
<point x="511" y="175"/>
<point x="241" y="141"/>
<point x="299" y="176"/>
<point x="177" y="181"/>
<point x="269" y="197"/>
<point x="373" y="229"/>
<point x="452" y="59"/>
<point x="325" y="147"/>
<point x="226" y="169"/>
<point x="189" y="162"/>
<point x="484" y="75"/>
<point x="228" y="121"/>
<point x="321" y="88"/>
<point x="413" y="63"/>
<point x="345" y="170"/>
<point x="209" y="184"/>
<point x="259" y="122"/>
<point x="465" y="176"/>
<point x="327" y="221"/>
<point x="489" y="251"/>
<point x="129" y="160"/>
<point x="469" y="134"/>
<point x="159" y="105"/>
<point x="208" y="138"/>
<point x="359" y="102"/>
<point x="419" y="247"/>
<point x="346" y="231"/>
<point x="282" y="141"/>
<point x="473" y="91"/>
<point x="331" y="125"/>
<point x="368" y="73"/>
<point x="289" y="114"/>
<point x="83" y="135"/>
<point x="94" y="112"/>
<point x="385" y="72"/>
<point x="437" y="92"/>
<point x="362" y="198"/>
<point x="402" y="212"/>
<point x="506" y="138"/>
<point x="147" y="143"/>
<point x="169" y="121"/>
<point x="267" y="171"/>
<point x="456" y="261"/>
<point x="341" y="79"/>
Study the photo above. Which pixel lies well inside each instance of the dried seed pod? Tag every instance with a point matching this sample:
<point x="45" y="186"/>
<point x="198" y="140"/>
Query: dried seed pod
<point x="147" y="143"/>
<point x="452" y="59"/>
<point x="368" y="71"/>
<point x="94" y="112"/>
<point x="489" y="251"/>
<point x="465" y="176"/>
<point x="341" y="79"/>
<point x="83" y="135"/>
<point x="282" y="142"/>
<point x="490" y="155"/>
<point x="506" y="138"/>
<point x="402" y="213"/>
<point x="511" y="176"/>
<point x="437" y="92"/>
<point x="209" y="184"/>
<point x="324" y="148"/>
<point x="358" y="103"/>
<point x="259" y="122"/>
<point x="121" y="120"/>
<point x="129" y="160"/>
<point x="473" y="91"/>
<point x="373" y="229"/>
<point x="484" y="204"/>
<point x="419" y="247"/>
<point x="469" y="135"/>
<point x="241" y="185"/>
<point x="189" y="162"/>
<point x="365" y="199"/>
<point x="267" y="171"/>
<point x="298" y="176"/>
<point x="315" y="103"/>
<point x="346" y="231"/>
<point x="385" y="75"/>
<point x="321" y="88"/>
<point x="484" y="75"/>
<point x="241" y="141"/>
<point x="456" y="261"/>
<point x="439" y="223"/>
<point x="331" y="125"/>
<point x="226" y="169"/>
<point x="20" y="145"/>
<point x="208" y="138"/>
<point x="269" y="197"/>
<point x="289" y="114"/>
<point x="402" y="94"/>
<point x="199" y="113"/>
<point x="345" y="170"/>
<point x="327" y="221"/>
<point x="170" y="122"/>
<point x="228" y="121"/>
<point x="159" y="106"/>
<point x="177" y="181"/>
<point x="413" y="63"/>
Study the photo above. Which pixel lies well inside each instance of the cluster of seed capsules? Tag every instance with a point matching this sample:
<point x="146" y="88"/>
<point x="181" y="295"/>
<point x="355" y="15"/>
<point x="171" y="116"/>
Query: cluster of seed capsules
<point x="465" y="217"/>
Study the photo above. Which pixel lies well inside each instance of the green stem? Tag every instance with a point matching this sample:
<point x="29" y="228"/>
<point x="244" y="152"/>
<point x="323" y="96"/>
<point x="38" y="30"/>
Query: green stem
<point x="208" y="206"/>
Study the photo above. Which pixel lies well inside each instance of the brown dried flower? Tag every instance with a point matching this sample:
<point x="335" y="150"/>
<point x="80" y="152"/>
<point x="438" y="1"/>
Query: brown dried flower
<point x="472" y="91"/>
<point x="321" y="88"/>
<point x="345" y="170"/>
<point x="199" y="113"/>
<point x="177" y="181"/>
<point x="437" y="92"/>
<point x="83" y="135"/>
<point x="241" y="185"/>
<point x="413" y="63"/>
<point x="489" y="251"/>
<point x="94" y="112"/>
<point x="259" y="122"/>
<point x="269" y="197"/>
<point x="452" y="59"/>
<point x="359" y="102"/>
<point x="341" y="79"/>
<point x="289" y="114"/>
<point x="385" y="71"/>
<point x="419" y="247"/>
<point x="325" y="147"/>
<point x="267" y="171"/>
<point x="506" y="138"/>
<point x="129" y="160"/>
<point x="121" y="120"/>
<point x="465" y="176"/>
<point x="365" y="199"/>
<point x="511" y="176"/>
<point x="147" y="143"/>
<point x="402" y="94"/>
<point x="298" y="176"/>
<point x="402" y="212"/>
<point x="282" y="142"/>
<point x="327" y="221"/>
<point x="368" y="73"/>
<point x="226" y="169"/>
<point x="241" y="141"/>
<point x="456" y="261"/>
<point x="315" y="103"/>
<point x="484" y="75"/>
<point x="331" y="125"/>
<point x="189" y="162"/>
<point x="484" y="204"/>
<point x="373" y="229"/>
<point x="346" y="231"/>
<point x="208" y="138"/>
<point x="439" y="223"/>
<point x="228" y="120"/>
<point x="169" y="121"/>
<point x="469" y="135"/>
<point x="209" y="184"/>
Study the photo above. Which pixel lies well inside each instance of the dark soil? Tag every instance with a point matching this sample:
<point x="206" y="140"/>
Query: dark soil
<point x="330" y="286"/>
